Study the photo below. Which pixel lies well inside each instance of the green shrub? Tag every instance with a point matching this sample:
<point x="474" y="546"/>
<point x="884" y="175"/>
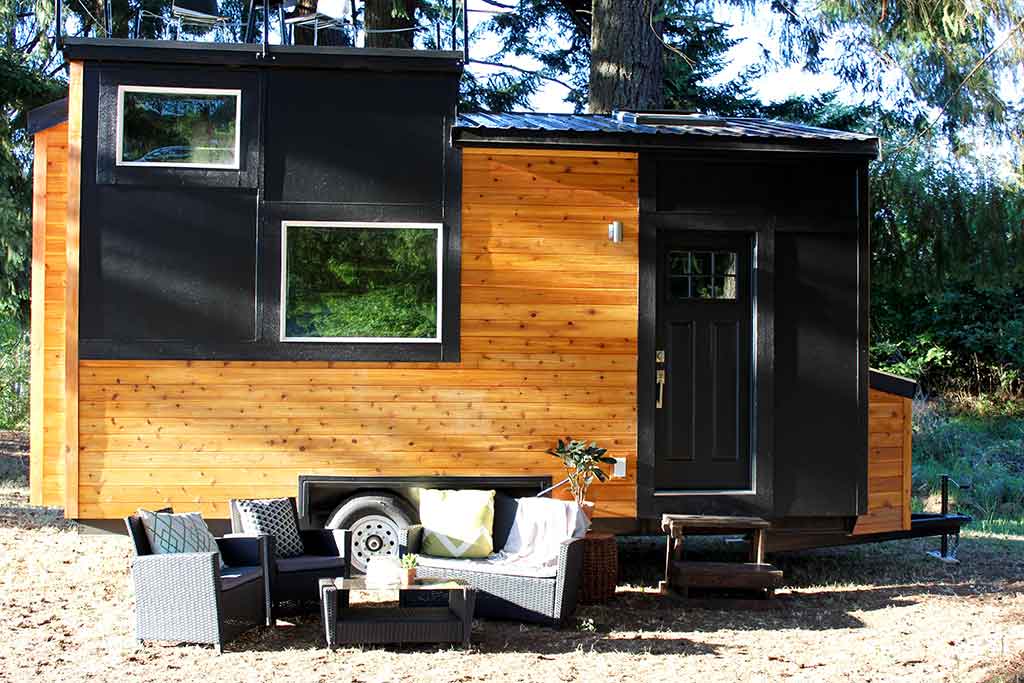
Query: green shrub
<point x="986" y="453"/>
<point x="14" y="376"/>
<point x="961" y="337"/>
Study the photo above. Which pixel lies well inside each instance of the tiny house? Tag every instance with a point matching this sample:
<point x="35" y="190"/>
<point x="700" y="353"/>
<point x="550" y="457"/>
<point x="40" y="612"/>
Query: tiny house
<point x="304" y="271"/>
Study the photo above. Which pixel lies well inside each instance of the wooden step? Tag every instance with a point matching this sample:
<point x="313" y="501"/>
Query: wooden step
<point x="745" y="575"/>
<point x="681" y="525"/>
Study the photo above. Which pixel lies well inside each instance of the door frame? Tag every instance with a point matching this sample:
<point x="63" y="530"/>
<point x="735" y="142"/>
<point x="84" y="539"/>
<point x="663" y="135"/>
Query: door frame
<point x="761" y="225"/>
<point x="749" y="239"/>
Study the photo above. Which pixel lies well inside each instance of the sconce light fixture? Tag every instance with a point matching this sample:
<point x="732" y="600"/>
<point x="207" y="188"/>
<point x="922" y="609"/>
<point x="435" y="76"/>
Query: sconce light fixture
<point x="615" y="231"/>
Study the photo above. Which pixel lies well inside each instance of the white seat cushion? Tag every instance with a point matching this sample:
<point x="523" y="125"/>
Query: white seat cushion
<point x="487" y="565"/>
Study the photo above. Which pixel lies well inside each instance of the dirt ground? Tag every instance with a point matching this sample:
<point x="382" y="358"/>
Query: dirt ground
<point x="873" y="613"/>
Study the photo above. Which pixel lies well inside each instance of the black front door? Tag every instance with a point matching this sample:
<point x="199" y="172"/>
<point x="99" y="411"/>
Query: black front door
<point x="704" y="345"/>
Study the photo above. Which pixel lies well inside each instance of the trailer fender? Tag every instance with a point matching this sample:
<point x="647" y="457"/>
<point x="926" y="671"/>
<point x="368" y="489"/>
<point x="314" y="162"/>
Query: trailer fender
<point x="373" y="520"/>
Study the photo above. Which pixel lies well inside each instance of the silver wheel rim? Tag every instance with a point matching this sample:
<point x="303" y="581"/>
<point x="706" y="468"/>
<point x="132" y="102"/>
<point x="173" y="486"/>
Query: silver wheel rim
<point x="373" y="536"/>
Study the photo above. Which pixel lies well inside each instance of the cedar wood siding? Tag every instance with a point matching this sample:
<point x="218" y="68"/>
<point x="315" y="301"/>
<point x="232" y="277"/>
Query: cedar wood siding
<point x="49" y="268"/>
<point x="548" y="327"/>
<point x="889" y="458"/>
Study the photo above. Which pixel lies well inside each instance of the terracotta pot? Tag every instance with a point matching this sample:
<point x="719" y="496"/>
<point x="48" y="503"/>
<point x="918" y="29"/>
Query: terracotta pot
<point x="408" y="576"/>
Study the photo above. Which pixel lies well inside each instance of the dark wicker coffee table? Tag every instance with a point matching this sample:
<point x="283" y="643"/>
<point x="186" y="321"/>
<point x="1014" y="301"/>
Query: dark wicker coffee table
<point x="367" y="624"/>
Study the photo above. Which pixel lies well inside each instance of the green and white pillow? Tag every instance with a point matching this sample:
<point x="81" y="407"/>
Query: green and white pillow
<point x="183" y="532"/>
<point x="457" y="523"/>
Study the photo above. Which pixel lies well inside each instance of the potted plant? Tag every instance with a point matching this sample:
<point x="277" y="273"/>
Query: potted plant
<point x="584" y="462"/>
<point x="409" y="563"/>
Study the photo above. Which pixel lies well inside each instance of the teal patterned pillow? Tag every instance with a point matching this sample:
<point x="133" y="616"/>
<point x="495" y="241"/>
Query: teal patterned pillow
<point x="184" y="532"/>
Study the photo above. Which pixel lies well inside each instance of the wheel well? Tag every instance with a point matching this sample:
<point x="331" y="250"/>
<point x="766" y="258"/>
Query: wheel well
<point x="320" y="495"/>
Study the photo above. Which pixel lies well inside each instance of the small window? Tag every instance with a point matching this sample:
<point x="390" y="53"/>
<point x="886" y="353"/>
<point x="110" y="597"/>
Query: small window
<point x="360" y="282"/>
<point x="702" y="274"/>
<point x="178" y="127"/>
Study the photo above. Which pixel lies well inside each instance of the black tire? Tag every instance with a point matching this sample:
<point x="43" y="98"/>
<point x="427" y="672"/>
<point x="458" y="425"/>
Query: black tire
<point x="374" y="520"/>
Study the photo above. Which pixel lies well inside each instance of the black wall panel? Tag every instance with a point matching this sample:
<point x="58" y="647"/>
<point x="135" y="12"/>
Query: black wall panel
<point x="808" y="219"/>
<point x="185" y="263"/>
<point x="357" y="137"/>
<point x="169" y="265"/>
<point x="811" y="187"/>
<point x="820" y="441"/>
<point x="110" y="77"/>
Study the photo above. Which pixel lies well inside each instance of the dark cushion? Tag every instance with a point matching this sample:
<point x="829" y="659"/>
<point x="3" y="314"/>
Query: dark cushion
<point x="306" y="563"/>
<point x="233" y="577"/>
<point x="504" y="516"/>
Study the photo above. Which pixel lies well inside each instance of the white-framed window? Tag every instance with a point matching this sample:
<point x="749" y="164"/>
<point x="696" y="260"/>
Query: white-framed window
<point x="160" y="126"/>
<point x="361" y="282"/>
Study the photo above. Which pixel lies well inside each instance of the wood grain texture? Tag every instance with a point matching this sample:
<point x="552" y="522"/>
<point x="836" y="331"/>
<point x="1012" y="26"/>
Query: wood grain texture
<point x="549" y="320"/>
<point x="908" y="438"/>
<point x="71" y="379"/>
<point x="890" y="433"/>
<point x="37" y="362"/>
<point x="49" y="265"/>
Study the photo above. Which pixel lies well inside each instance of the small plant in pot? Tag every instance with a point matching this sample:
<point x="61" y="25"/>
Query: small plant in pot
<point x="584" y="462"/>
<point x="409" y="563"/>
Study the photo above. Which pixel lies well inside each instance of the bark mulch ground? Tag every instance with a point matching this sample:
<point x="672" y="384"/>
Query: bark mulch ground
<point x="870" y="613"/>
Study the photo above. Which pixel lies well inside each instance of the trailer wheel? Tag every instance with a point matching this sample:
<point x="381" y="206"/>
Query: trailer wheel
<point x="373" y="522"/>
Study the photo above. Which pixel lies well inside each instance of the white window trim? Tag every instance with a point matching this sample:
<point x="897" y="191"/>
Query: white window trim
<point x="119" y="138"/>
<point x="285" y="225"/>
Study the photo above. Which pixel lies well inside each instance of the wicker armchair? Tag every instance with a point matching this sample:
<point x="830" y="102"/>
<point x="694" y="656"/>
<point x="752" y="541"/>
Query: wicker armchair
<point x="187" y="597"/>
<point x="294" y="581"/>
<point x="545" y="600"/>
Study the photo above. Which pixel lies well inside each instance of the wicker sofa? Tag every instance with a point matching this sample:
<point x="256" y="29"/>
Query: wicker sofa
<point x="187" y="597"/>
<point x="545" y="600"/>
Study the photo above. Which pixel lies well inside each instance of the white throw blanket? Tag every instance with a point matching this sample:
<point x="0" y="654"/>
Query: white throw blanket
<point x="541" y="526"/>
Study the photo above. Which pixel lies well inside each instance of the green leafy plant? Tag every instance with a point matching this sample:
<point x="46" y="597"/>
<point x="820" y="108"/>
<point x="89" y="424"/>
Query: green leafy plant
<point x="410" y="561"/>
<point x="584" y="462"/>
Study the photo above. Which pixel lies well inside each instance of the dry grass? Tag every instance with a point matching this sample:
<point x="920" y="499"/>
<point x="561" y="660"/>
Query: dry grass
<point x="880" y="613"/>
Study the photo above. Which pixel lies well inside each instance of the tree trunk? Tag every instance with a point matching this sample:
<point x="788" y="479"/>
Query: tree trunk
<point x="387" y="15"/>
<point x="626" y="58"/>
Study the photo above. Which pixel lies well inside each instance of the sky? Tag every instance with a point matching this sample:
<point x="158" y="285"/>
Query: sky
<point x="753" y="32"/>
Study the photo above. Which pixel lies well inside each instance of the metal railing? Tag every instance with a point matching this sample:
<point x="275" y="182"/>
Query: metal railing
<point x="458" y="19"/>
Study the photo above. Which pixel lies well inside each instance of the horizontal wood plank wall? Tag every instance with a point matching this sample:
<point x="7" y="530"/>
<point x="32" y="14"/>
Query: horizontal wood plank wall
<point x="48" y="279"/>
<point x="889" y="459"/>
<point x="549" y="323"/>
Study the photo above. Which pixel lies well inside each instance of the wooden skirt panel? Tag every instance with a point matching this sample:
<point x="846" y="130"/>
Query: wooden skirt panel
<point x="889" y="461"/>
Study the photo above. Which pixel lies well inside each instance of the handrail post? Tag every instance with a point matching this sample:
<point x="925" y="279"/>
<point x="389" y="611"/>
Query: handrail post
<point x="59" y="29"/>
<point x="945" y="511"/>
<point x="465" y="33"/>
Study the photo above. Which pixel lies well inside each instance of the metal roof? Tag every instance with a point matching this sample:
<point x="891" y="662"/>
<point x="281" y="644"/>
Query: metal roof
<point x="600" y="125"/>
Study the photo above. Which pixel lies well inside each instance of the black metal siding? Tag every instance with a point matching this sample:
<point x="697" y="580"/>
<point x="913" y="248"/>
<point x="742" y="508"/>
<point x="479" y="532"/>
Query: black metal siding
<point x="811" y="296"/>
<point x="185" y="264"/>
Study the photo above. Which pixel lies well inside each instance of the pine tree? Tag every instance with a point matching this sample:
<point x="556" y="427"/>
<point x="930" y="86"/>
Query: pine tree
<point x="626" y="56"/>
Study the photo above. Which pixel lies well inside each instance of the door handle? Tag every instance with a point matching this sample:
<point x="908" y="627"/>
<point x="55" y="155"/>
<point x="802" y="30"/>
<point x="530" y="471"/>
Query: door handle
<point x="661" y="388"/>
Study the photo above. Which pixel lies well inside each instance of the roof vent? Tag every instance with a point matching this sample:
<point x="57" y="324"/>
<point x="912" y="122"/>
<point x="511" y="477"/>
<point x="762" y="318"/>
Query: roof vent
<point x="667" y="118"/>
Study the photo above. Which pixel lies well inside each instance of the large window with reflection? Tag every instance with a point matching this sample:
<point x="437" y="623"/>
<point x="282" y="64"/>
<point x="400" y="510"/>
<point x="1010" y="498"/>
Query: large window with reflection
<point x="178" y="127"/>
<point x="361" y="282"/>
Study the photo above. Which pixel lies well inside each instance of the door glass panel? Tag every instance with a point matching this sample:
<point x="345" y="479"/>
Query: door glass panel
<point x="701" y="275"/>
<point x="700" y="262"/>
<point x="678" y="263"/>
<point x="725" y="263"/>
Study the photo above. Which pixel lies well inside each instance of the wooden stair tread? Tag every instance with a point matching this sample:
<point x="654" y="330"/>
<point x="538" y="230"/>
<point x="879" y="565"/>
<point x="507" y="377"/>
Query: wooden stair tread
<point x="674" y="524"/>
<point x="726" y="575"/>
<point x="702" y="567"/>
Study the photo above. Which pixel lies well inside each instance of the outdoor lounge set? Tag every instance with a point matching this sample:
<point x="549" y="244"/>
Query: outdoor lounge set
<point x="479" y="554"/>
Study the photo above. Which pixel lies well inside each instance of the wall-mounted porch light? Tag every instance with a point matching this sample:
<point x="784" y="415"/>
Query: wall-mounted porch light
<point x="615" y="231"/>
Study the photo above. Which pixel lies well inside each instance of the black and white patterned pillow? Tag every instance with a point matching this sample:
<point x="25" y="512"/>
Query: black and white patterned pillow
<point x="178" y="533"/>
<point x="273" y="517"/>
